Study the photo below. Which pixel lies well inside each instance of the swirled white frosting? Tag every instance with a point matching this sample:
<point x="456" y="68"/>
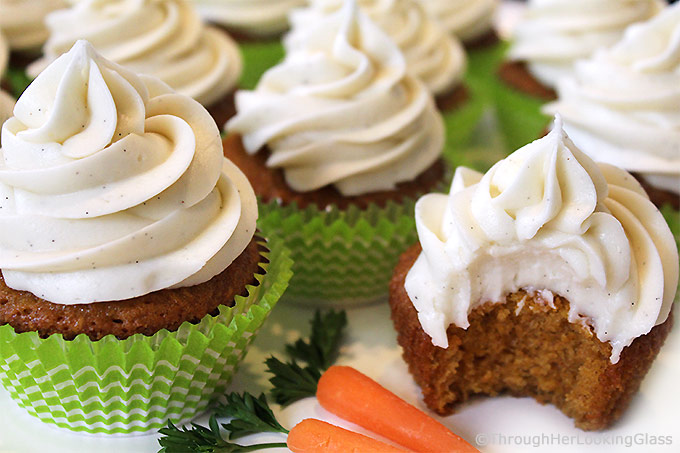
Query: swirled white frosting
<point x="555" y="33"/>
<point x="432" y="55"/>
<point x="252" y="17"/>
<point x="162" y="38"/>
<point x="22" y="21"/>
<point x="113" y="186"/>
<point x="623" y="105"/>
<point x="467" y="19"/>
<point x="341" y="110"/>
<point x="547" y="217"/>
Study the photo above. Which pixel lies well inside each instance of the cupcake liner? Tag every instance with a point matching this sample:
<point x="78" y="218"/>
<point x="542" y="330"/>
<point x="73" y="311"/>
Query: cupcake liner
<point x="342" y="257"/>
<point x="138" y="384"/>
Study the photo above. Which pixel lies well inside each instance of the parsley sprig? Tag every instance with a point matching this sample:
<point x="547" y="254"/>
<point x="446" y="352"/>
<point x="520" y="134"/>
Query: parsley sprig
<point x="250" y="415"/>
<point x="205" y="440"/>
<point x="292" y="381"/>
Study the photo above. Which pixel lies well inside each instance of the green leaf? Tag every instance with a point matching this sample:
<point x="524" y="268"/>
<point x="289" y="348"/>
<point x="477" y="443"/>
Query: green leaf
<point x="249" y="415"/>
<point x="323" y="347"/>
<point x="204" y="440"/>
<point x="292" y="382"/>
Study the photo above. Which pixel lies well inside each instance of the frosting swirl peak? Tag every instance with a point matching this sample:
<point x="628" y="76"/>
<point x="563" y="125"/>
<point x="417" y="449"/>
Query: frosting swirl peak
<point x="114" y="186"/>
<point x="432" y="55"/>
<point x="621" y="106"/>
<point x="162" y="38"/>
<point x="545" y="218"/>
<point x="555" y="33"/>
<point x="341" y="110"/>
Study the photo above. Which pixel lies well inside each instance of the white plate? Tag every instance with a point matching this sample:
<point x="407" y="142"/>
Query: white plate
<point x="506" y="424"/>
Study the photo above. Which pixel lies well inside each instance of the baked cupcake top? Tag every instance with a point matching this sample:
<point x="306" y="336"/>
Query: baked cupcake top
<point x="252" y="17"/>
<point x="555" y="33"/>
<point x="22" y="21"/>
<point x="162" y="38"/>
<point x="623" y="105"/>
<point x="467" y="19"/>
<point x="434" y="56"/>
<point x="547" y="219"/>
<point x="341" y="110"/>
<point x="113" y="186"/>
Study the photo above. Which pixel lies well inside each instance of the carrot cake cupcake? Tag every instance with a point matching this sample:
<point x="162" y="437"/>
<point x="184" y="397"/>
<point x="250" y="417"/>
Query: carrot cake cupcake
<point x="340" y="131"/>
<point x="249" y="19"/>
<point x="127" y="251"/>
<point x="162" y="38"/>
<point x="549" y="276"/>
<point x="622" y="106"/>
<point x="432" y="55"/>
<point x="470" y="20"/>
<point x="555" y="33"/>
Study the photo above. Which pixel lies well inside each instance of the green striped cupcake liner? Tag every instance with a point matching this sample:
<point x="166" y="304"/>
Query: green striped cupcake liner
<point x="138" y="384"/>
<point x="342" y="258"/>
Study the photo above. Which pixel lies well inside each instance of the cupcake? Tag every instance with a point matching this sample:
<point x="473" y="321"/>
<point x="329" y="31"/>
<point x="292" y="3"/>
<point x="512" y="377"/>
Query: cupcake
<point x="622" y="106"/>
<point x="338" y="140"/>
<point x="431" y="54"/>
<point x="549" y="276"/>
<point x="249" y="19"/>
<point x="553" y="34"/>
<point x="132" y="279"/>
<point x="162" y="38"/>
<point x="22" y="22"/>
<point x="470" y="20"/>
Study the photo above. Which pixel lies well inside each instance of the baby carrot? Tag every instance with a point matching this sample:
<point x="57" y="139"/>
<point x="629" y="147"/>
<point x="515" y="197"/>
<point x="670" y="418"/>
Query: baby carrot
<point x="357" y="398"/>
<point x="315" y="436"/>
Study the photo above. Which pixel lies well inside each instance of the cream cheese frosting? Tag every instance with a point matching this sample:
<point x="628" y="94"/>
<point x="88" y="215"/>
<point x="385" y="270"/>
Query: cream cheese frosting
<point x="341" y="110"/>
<point x="252" y="17"/>
<point x="432" y="55"/>
<point x="546" y="218"/>
<point x="554" y="34"/>
<point x="623" y="105"/>
<point x="113" y="186"/>
<point x="467" y="19"/>
<point x="22" y="21"/>
<point x="162" y="38"/>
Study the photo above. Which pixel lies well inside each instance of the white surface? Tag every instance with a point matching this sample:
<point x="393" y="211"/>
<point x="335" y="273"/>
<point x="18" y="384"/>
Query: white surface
<point x="371" y="347"/>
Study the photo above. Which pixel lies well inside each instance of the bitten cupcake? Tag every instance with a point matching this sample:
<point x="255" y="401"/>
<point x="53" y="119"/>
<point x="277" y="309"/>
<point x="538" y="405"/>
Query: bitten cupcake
<point x="555" y="33"/>
<point x="470" y="20"/>
<point x="549" y="276"/>
<point x="162" y="38"/>
<point x="249" y="19"/>
<point x="22" y="22"/>
<point x="338" y="140"/>
<point x="432" y="55"/>
<point x="127" y="248"/>
<point x="623" y="105"/>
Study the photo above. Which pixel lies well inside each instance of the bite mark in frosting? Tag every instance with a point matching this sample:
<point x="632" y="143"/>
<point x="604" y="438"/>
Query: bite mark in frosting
<point x="341" y="110"/>
<point x="554" y="34"/>
<point x="548" y="218"/>
<point x="622" y="106"/>
<point x="113" y="186"/>
<point x="432" y="55"/>
<point x="162" y="38"/>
